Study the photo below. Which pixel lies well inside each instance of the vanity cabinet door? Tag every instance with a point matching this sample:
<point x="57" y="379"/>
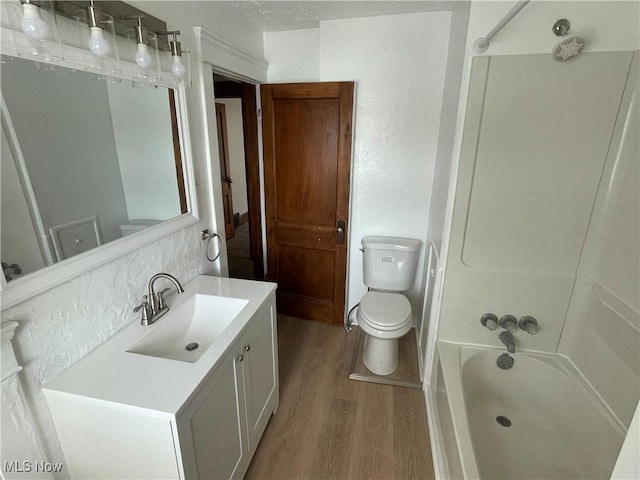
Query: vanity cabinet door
<point x="260" y="372"/>
<point x="211" y="429"/>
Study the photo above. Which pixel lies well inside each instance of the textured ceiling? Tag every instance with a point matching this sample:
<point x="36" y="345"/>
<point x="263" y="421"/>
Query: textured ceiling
<point x="273" y="16"/>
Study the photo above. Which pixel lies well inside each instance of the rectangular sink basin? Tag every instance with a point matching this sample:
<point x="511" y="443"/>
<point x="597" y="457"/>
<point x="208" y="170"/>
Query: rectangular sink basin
<point x="188" y="330"/>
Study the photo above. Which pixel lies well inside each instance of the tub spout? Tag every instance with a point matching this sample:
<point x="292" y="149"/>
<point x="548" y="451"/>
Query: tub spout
<point x="509" y="342"/>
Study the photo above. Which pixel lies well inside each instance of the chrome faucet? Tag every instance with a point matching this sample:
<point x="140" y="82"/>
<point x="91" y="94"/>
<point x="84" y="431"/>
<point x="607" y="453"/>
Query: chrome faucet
<point x="153" y="304"/>
<point x="508" y="340"/>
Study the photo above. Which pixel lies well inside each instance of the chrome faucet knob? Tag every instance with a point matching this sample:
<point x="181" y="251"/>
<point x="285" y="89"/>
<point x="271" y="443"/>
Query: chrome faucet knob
<point x="162" y="304"/>
<point x="509" y="323"/>
<point x="529" y="324"/>
<point x="144" y="306"/>
<point x="489" y="320"/>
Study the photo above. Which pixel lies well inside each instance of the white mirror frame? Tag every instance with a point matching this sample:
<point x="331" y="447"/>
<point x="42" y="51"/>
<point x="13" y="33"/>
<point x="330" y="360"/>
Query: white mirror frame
<point x="22" y="289"/>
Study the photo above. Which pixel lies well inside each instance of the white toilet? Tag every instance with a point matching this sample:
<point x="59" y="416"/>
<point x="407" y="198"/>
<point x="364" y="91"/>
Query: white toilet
<point x="389" y="265"/>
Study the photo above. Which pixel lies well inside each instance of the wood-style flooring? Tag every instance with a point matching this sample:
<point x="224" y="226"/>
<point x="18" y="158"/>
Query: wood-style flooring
<point x="239" y="254"/>
<point x="331" y="427"/>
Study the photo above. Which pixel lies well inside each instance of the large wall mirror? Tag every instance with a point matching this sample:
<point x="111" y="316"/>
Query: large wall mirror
<point x="86" y="161"/>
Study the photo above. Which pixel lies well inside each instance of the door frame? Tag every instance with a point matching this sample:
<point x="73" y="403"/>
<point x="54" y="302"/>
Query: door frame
<point x="240" y="88"/>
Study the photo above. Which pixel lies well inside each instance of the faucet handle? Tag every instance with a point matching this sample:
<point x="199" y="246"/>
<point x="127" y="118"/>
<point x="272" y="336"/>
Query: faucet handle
<point x="529" y="325"/>
<point x="144" y="306"/>
<point x="489" y="320"/>
<point x="509" y="323"/>
<point x="162" y="304"/>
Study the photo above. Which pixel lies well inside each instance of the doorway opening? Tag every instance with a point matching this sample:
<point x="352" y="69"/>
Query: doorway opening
<point x="236" y="115"/>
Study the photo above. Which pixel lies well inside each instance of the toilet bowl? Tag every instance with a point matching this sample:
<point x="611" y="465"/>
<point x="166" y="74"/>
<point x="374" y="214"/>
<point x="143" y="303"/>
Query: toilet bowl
<point x="384" y="314"/>
<point x="384" y="317"/>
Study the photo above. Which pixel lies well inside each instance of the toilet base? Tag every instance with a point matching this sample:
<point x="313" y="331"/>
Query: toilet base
<point x="380" y="355"/>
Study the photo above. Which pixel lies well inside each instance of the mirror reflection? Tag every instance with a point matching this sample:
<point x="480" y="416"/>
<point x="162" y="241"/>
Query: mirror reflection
<point x="83" y="162"/>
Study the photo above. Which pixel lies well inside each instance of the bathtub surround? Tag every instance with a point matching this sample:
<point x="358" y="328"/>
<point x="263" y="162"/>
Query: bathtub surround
<point x="575" y="210"/>
<point x="527" y="34"/>
<point x="602" y="329"/>
<point x="519" y="256"/>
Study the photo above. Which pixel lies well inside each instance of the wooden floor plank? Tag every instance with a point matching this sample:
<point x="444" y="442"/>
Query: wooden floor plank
<point x="331" y="427"/>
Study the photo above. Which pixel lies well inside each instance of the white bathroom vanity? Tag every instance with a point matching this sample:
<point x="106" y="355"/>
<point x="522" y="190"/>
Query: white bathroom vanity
<point x="135" y="408"/>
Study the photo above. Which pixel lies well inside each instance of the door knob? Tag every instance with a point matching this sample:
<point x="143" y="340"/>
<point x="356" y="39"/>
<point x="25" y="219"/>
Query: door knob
<point x="340" y="231"/>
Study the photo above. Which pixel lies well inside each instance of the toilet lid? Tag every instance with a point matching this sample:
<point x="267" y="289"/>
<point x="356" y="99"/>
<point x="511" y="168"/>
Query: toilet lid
<point x="385" y="310"/>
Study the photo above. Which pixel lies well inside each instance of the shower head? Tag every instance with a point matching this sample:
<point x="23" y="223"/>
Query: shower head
<point x="570" y="46"/>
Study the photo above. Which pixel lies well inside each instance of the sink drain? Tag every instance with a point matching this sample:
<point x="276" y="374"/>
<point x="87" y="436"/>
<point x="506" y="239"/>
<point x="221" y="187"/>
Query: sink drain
<point x="191" y="347"/>
<point x="503" y="421"/>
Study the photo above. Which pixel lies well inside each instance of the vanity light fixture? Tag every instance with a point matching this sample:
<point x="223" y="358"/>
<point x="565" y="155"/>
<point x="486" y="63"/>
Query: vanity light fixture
<point x="142" y="56"/>
<point x="175" y="47"/>
<point x="100" y="38"/>
<point x="37" y="21"/>
<point x="32" y="24"/>
<point x="98" y="44"/>
<point x="146" y="49"/>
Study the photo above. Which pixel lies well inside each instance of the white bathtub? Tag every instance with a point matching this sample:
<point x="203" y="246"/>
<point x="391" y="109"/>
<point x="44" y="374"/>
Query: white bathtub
<point x="559" y="427"/>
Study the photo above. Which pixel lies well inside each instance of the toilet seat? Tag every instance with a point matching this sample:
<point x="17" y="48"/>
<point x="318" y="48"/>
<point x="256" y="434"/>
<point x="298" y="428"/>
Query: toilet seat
<point x="385" y="311"/>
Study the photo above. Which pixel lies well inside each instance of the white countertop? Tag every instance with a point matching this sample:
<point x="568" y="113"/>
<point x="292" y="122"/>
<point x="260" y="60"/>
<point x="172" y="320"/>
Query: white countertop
<point x="111" y="374"/>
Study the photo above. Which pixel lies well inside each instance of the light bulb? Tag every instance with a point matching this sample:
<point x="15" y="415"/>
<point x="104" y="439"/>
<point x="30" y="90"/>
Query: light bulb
<point x="177" y="67"/>
<point x="143" y="57"/>
<point x="33" y="26"/>
<point x="97" y="43"/>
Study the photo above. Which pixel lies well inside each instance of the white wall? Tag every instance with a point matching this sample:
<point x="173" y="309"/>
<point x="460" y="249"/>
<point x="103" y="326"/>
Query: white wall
<point x="144" y="144"/>
<point x="398" y="63"/>
<point x="61" y="325"/>
<point x="293" y="55"/>
<point x="235" y="134"/>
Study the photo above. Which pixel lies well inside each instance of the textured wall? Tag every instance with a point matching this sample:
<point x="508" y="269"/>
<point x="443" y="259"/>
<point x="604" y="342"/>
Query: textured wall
<point x="293" y="55"/>
<point x="398" y="104"/>
<point x="398" y="63"/>
<point x="62" y="325"/>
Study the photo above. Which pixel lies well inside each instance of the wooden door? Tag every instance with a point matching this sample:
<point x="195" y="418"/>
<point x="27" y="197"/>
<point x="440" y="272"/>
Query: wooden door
<point x="225" y="170"/>
<point x="307" y="155"/>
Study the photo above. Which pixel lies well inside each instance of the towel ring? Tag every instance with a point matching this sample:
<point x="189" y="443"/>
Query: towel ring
<point x="207" y="237"/>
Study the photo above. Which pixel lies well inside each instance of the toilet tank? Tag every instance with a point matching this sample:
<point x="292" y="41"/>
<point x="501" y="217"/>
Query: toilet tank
<point x="389" y="263"/>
